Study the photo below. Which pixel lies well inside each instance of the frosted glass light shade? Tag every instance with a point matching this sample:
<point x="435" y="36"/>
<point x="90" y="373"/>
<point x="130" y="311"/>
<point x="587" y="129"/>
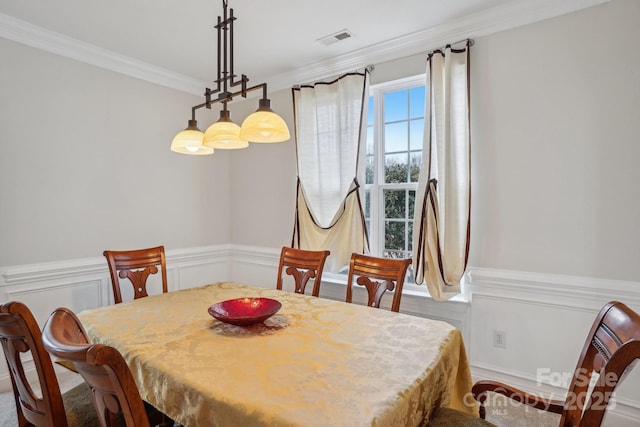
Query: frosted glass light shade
<point x="264" y="125"/>
<point x="189" y="141"/>
<point x="224" y="134"/>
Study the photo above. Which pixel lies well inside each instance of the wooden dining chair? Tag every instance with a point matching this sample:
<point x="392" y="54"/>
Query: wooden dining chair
<point x="114" y="391"/>
<point x="302" y="265"/>
<point x="611" y="348"/>
<point x="20" y="335"/>
<point x="136" y="265"/>
<point x="389" y="274"/>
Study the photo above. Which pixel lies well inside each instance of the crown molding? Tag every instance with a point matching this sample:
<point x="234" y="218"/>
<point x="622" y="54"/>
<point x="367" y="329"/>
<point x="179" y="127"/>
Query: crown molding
<point x="510" y="15"/>
<point x="31" y="35"/>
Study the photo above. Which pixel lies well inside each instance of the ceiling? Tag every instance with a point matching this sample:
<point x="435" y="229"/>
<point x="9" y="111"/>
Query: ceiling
<point x="174" y="42"/>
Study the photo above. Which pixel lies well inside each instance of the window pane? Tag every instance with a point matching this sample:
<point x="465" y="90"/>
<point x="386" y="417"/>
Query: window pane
<point x="416" y="163"/>
<point x="369" y="170"/>
<point x="396" y="255"/>
<point x="394" y="204"/>
<point x="399" y="134"/>
<point x="394" y="235"/>
<point x="396" y="168"/>
<point x="410" y="242"/>
<point x="416" y="133"/>
<point x="395" y="137"/>
<point x="412" y="204"/>
<point x="370" y="145"/>
<point x="410" y="277"/>
<point x="416" y="98"/>
<point x="396" y="106"/>
<point x="367" y="204"/>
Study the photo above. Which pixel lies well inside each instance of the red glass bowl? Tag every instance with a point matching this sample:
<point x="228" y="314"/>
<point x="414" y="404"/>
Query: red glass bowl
<point x="245" y="311"/>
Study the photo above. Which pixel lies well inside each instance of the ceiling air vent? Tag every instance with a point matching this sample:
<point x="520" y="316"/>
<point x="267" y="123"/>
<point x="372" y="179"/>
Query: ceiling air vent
<point x="336" y="37"/>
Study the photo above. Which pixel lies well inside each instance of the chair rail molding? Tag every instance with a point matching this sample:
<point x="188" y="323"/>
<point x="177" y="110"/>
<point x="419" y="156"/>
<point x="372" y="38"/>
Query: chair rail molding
<point x="538" y="311"/>
<point x="80" y="284"/>
<point x="187" y="267"/>
<point x="552" y="289"/>
<point x="258" y="266"/>
<point x="545" y="318"/>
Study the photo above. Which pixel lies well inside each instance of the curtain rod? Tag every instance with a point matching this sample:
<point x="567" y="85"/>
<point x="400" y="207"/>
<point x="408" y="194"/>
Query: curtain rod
<point x="372" y="67"/>
<point x="470" y="42"/>
<point x="368" y="68"/>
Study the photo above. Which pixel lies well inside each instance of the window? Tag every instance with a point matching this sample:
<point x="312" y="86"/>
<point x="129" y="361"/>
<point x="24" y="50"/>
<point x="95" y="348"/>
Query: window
<point x="395" y="128"/>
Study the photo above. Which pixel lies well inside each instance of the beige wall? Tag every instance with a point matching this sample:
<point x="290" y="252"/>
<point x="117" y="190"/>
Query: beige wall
<point x="555" y="144"/>
<point x="263" y="178"/>
<point x="555" y="147"/>
<point x="85" y="164"/>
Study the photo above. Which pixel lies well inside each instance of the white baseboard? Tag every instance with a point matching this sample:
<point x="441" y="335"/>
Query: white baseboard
<point x="621" y="412"/>
<point x="545" y="316"/>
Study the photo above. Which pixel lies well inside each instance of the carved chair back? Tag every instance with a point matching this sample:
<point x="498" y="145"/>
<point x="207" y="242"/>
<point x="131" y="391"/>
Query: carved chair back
<point x="302" y="265"/>
<point x="114" y="391"/>
<point x="136" y="266"/>
<point x="377" y="275"/>
<point x="612" y="346"/>
<point x="20" y="335"/>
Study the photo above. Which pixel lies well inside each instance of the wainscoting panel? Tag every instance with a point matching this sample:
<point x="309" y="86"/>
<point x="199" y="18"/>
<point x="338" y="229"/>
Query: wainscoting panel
<point x="84" y="283"/>
<point x="188" y="268"/>
<point x="256" y="266"/>
<point x="259" y="267"/>
<point x="543" y="321"/>
<point x="76" y="295"/>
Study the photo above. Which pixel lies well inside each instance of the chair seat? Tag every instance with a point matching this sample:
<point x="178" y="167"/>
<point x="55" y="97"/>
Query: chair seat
<point x="81" y="411"/>
<point x="446" y="417"/>
<point x="611" y="348"/>
<point x="79" y="407"/>
<point x="40" y="403"/>
<point x="114" y="393"/>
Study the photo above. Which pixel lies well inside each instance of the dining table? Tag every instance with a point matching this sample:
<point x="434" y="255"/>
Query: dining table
<point x="316" y="362"/>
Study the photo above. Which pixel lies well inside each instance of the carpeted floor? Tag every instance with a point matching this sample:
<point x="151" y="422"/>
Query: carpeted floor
<point x="507" y="413"/>
<point x="8" y="417"/>
<point x="503" y="413"/>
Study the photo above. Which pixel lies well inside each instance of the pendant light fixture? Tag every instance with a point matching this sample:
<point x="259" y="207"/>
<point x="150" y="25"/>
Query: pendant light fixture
<point x="224" y="133"/>
<point x="263" y="126"/>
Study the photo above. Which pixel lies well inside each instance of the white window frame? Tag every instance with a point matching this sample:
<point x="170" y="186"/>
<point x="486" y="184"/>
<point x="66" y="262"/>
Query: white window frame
<point x="377" y="229"/>
<point x="376" y="235"/>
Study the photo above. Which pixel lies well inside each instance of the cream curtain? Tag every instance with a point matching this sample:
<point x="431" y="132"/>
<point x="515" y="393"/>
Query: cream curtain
<point x="328" y="131"/>
<point x="443" y="197"/>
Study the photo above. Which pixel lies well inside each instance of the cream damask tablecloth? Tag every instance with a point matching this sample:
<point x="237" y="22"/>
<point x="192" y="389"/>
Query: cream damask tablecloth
<point x="317" y="362"/>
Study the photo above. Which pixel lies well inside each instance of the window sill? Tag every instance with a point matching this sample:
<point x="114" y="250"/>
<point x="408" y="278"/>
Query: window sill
<point x="409" y="288"/>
